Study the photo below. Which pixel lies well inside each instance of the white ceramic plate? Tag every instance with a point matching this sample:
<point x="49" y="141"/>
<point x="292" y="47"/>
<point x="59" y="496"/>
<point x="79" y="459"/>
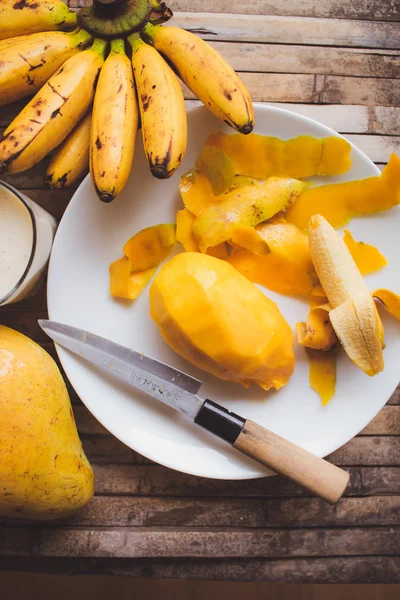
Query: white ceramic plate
<point x="91" y="235"/>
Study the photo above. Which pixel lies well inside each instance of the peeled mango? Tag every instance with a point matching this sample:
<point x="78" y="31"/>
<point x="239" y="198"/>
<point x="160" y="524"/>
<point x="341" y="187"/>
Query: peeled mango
<point x="261" y="156"/>
<point x="44" y="472"/>
<point x="217" y="320"/>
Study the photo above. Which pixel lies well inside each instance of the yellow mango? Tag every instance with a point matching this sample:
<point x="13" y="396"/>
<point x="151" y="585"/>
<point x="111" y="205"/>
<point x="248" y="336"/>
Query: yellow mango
<point x="390" y="301"/>
<point x="44" y="472"/>
<point x="317" y="333"/>
<point x="184" y="235"/>
<point x="273" y="272"/>
<point x="262" y="156"/>
<point x="322" y="373"/>
<point x="150" y="246"/>
<point x="244" y="206"/>
<point x="196" y="192"/>
<point x="249" y="239"/>
<point x="340" y="202"/>
<point x="127" y="284"/>
<point x="287" y="241"/>
<point x="217" y="167"/>
<point x="217" y="320"/>
<point x="367" y="258"/>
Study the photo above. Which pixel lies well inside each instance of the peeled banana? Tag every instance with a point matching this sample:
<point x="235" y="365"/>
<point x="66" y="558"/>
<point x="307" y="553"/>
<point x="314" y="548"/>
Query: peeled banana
<point x="206" y="73"/>
<point x="162" y="109"/>
<point x="19" y="17"/>
<point x="354" y="316"/>
<point x="28" y="64"/>
<point x="70" y="160"/>
<point x="52" y="114"/>
<point x="114" y="126"/>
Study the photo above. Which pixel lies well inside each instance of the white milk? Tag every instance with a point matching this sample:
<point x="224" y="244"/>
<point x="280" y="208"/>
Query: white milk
<point x="18" y="246"/>
<point x="16" y="240"/>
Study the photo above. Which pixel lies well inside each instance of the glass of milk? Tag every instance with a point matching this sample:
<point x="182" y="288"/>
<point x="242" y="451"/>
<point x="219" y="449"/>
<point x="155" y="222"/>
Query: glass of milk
<point x="26" y="237"/>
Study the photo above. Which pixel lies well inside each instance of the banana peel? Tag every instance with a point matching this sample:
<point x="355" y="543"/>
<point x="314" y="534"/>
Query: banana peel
<point x="354" y="316"/>
<point x="317" y="333"/>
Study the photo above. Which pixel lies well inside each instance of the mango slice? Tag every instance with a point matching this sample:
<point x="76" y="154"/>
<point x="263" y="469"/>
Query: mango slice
<point x="317" y="333"/>
<point x="150" y="246"/>
<point x="220" y="322"/>
<point x="217" y="167"/>
<point x="245" y="206"/>
<point x="124" y="283"/>
<point x="322" y="373"/>
<point x="196" y="192"/>
<point x="261" y="156"/>
<point x="340" y="202"/>
<point x="288" y="242"/>
<point x="184" y="235"/>
<point x="367" y="258"/>
<point x="273" y="272"/>
<point x="390" y="301"/>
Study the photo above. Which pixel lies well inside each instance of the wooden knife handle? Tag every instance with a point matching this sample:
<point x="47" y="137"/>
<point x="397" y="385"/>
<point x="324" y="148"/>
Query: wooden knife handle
<point x="313" y="473"/>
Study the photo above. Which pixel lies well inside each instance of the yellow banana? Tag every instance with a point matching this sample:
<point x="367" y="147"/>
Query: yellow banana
<point x="206" y="73"/>
<point x="162" y="109"/>
<point x="114" y="126"/>
<point x="70" y="160"/>
<point x="353" y="316"/>
<point x="11" y="41"/>
<point x="19" y="17"/>
<point x="52" y="114"/>
<point x="28" y="64"/>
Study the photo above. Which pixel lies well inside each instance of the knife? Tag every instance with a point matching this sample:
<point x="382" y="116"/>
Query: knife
<point x="180" y="391"/>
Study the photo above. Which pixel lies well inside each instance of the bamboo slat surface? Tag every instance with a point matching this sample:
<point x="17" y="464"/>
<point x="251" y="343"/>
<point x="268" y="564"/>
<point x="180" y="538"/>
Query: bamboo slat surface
<point x="339" y="63"/>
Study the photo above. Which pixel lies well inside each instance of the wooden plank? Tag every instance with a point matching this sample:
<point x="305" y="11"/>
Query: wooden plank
<point x="107" y="449"/>
<point x="338" y="570"/>
<point x="291" y="30"/>
<point x="395" y="399"/>
<point x="368" y="451"/>
<point x="387" y="422"/>
<point x="232" y="513"/>
<point x="154" y="480"/>
<point x="380" y="480"/>
<point x="354" y="90"/>
<point x="186" y="543"/>
<point x="343" y="9"/>
<point x="279" y="58"/>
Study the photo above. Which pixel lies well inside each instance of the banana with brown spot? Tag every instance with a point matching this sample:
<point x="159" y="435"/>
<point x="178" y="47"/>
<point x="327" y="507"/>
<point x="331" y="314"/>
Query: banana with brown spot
<point x="162" y="109"/>
<point x="70" y="161"/>
<point x="29" y="63"/>
<point x="20" y="17"/>
<point x="206" y="73"/>
<point x="114" y="125"/>
<point x="55" y="110"/>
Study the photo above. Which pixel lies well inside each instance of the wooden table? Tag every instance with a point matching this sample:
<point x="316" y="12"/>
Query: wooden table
<point x="337" y="61"/>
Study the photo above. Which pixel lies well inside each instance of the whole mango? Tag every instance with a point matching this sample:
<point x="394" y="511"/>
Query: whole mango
<point x="44" y="473"/>
<point x="219" y="321"/>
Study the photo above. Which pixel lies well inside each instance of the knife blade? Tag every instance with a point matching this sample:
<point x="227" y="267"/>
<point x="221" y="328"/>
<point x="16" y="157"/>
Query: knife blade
<point x="180" y="391"/>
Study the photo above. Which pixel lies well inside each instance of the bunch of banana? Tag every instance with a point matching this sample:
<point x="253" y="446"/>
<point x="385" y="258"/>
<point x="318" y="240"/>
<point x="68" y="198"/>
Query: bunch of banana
<point x="139" y="74"/>
<point x="354" y="316"/>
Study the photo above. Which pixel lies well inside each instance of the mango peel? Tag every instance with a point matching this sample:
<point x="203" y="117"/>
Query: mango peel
<point x="215" y="318"/>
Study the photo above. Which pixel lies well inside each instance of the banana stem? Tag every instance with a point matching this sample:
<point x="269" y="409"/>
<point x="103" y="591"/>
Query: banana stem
<point x="118" y="46"/>
<point x="99" y="46"/>
<point x="71" y="20"/>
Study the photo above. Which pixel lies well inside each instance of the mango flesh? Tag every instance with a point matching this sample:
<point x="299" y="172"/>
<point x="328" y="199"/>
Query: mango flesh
<point x="44" y="472"/>
<point x="219" y="321"/>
